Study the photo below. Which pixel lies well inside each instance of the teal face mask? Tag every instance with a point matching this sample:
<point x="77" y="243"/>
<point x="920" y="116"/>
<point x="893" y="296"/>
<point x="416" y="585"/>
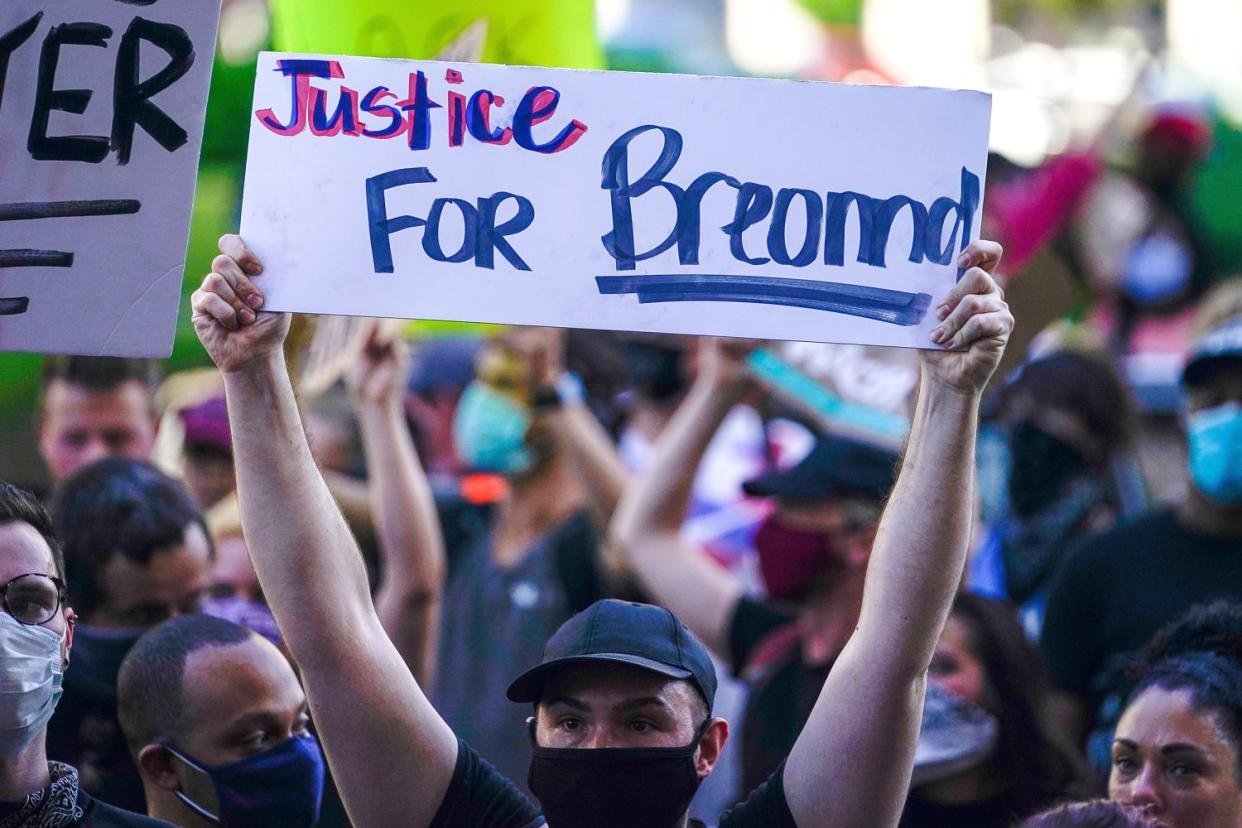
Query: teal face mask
<point x="1216" y="452"/>
<point x="489" y="431"/>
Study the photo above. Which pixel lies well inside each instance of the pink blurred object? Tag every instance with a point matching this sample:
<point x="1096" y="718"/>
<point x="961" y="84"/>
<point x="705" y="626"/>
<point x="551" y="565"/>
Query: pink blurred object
<point x="207" y="424"/>
<point x="1027" y="213"/>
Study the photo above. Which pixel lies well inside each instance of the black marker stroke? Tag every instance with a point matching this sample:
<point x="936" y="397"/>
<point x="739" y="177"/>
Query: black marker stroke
<point x="27" y="210"/>
<point x="35" y="258"/>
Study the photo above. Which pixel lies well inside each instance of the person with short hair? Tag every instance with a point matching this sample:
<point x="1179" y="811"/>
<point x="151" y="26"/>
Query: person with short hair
<point x="218" y="725"/>
<point x="1115" y="590"/>
<point x="95" y="407"/>
<point x="36" y="639"/>
<point x="621" y="733"/>
<point x="138" y="553"/>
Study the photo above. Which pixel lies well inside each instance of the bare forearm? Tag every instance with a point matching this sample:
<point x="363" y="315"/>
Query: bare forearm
<point x="409" y="538"/>
<point x="296" y="534"/>
<point x="920" y="549"/>
<point x="854" y="756"/>
<point x="364" y="701"/>
<point x="592" y="456"/>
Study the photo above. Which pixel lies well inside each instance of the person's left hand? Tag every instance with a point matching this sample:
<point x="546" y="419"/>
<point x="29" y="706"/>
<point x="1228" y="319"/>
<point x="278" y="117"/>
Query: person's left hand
<point x="378" y="377"/>
<point x="975" y="324"/>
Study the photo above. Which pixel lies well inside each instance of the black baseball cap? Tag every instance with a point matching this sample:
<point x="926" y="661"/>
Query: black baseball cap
<point x="622" y="632"/>
<point x="836" y="465"/>
<point x="1221" y="345"/>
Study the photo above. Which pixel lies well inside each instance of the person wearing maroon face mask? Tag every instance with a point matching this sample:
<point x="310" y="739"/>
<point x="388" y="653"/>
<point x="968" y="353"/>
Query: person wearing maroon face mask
<point x="813" y="550"/>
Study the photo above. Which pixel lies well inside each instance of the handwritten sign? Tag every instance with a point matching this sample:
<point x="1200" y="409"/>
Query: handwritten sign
<point x="101" y="118"/>
<point x="736" y="207"/>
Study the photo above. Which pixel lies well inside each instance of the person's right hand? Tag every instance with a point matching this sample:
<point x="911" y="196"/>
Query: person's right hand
<point x="226" y="311"/>
<point x="722" y="360"/>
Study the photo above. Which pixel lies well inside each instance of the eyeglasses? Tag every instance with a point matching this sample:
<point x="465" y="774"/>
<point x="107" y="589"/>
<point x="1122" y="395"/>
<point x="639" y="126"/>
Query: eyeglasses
<point x="33" y="598"/>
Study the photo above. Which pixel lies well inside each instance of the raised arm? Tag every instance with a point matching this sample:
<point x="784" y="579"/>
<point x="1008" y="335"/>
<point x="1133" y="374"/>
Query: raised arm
<point x="408" y="529"/>
<point x="391" y="755"/>
<point x="647" y="527"/>
<point x="851" y="765"/>
<point x="591" y="454"/>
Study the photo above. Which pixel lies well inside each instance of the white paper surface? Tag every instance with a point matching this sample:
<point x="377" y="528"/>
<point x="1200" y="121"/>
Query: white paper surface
<point x="306" y="213"/>
<point x="102" y="274"/>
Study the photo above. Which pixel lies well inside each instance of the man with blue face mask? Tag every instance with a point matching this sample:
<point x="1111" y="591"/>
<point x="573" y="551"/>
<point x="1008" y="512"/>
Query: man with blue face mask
<point x="218" y="726"/>
<point x="1117" y="589"/>
<point x="36" y="634"/>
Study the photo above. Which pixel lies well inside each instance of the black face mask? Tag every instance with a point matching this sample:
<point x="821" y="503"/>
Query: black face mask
<point x="613" y="787"/>
<point x="1040" y="466"/>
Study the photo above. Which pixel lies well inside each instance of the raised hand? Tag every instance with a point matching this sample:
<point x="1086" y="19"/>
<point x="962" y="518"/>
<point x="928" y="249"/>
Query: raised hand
<point x="723" y="360"/>
<point x="379" y="375"/>
<point x="227" y="311"/>
<point x="975" y="324"/>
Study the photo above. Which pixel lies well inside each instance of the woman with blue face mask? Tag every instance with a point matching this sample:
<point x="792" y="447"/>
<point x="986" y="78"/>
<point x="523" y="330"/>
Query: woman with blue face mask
<point x="36" y="634"/>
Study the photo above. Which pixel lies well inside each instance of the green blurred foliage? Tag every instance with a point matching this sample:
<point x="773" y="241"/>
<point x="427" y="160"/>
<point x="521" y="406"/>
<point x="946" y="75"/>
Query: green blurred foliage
<point x="1009" y="11"/>
<point x="835" y="12"/>
<point x="1215" y="197"/>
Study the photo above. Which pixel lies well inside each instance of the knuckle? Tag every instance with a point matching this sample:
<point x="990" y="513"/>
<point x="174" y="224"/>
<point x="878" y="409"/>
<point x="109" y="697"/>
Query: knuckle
<point x="214" y="282"/>
<point x="222" y="262"/>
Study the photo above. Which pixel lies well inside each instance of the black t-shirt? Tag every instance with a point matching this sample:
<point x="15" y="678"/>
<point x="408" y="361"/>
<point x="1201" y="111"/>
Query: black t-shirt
<point x="765" y="650"/>
<point x="1114" y="592"/>
<point x="96" y="814"/>
<point x="480" y="797"/>
<point x="999" y="812"/>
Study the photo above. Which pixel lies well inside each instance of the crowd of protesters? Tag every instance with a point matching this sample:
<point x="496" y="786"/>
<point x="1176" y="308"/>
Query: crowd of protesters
<point x="471" y="584"/>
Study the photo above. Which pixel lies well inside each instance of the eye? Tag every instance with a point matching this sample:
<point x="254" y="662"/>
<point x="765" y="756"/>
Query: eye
<point x="1125" y="765"/>
<point x="569" y="723"/>
<point x="302" y="726"/>
<point x="257" y="740"/>
<point x="640" y="726"/>
<point x="1183" y="772"/>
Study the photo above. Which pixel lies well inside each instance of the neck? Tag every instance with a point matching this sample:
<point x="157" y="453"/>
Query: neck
<point x="26" y="771"/>
<point x="827" y="619"/>
<point x="532" y="507"/>
<point x="975" y="785"/>
<point x="1201" y="514"/>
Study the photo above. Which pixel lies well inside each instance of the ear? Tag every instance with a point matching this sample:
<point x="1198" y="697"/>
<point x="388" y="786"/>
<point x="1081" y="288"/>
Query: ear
<point x="71" y="623"/>
<point x="158" y="765"/>
<point x="710" y="745"/>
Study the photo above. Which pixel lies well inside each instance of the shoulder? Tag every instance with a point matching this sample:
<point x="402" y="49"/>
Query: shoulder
<point x="96" y="814"/>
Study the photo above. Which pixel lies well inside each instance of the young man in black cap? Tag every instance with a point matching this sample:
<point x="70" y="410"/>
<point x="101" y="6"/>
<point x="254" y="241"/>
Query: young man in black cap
<point x="625" y="741"/>
<point x="813" y="551"/>
<point x="1115" y="590"/>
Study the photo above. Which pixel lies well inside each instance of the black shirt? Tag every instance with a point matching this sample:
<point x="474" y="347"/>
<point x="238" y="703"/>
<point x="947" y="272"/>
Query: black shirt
<point x="1114" y="592"/>
<point x="480" y="797"/>
<point x="767" y="653"/>
<point x="96" y="814"/>
<point x="1000" y="812"/>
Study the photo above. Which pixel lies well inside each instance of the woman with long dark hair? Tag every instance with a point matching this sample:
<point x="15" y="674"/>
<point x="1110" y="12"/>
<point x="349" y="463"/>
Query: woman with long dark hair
<point x="985" y="658"/>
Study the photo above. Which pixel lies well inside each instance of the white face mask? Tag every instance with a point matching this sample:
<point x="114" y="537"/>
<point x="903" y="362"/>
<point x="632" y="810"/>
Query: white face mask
<point x="31" y="673"/>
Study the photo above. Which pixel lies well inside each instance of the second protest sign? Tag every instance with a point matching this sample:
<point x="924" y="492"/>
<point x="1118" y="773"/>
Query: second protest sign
<point x="664" y="203"/>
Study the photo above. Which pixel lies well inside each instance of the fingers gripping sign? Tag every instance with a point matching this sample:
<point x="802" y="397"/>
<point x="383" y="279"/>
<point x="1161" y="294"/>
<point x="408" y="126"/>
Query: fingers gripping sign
<point x="975" y="323"/>
<point x="226" y="312"/>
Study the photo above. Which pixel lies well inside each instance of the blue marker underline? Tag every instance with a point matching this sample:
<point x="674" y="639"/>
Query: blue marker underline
<point x="895" y="307"/>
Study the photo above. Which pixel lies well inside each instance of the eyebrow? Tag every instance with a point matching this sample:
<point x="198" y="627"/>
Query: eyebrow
<point x="627" y="706"/>
<point x="1177" y="747"/>
<point x="638" y="704"/>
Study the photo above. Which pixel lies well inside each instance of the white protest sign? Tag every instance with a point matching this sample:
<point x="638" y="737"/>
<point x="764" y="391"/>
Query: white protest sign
<point x="101" y="120"/>
<point x="663" y="203"/>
